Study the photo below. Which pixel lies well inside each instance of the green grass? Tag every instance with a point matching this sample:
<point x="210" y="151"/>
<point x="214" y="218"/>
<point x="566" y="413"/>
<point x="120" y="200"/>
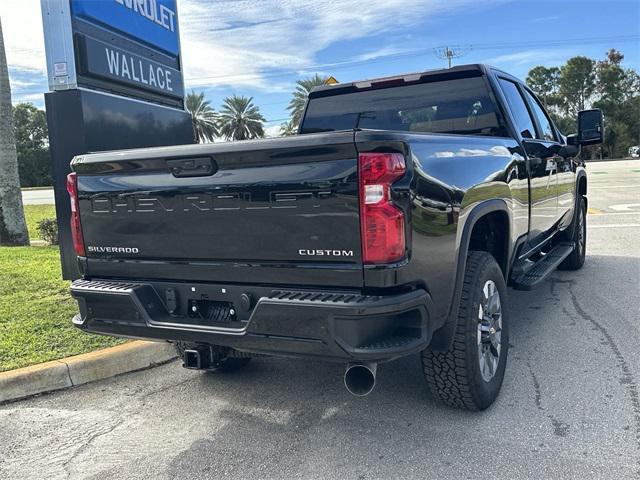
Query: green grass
<point x="33" y="214"/>
<point x="36" y="308"/>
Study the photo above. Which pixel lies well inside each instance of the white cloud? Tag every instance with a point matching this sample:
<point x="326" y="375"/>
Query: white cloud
<point x="526" y="57"/>
<point x="384" y="52"/>
<point x="240" y="42"/>
<point x="518" y="57"/>
<point x="23" y="37"/>
<point x="22" y="84"/>
<point x="272" y="131"/>
<point x="35" y="98"/>
<point x="235" y="41"/>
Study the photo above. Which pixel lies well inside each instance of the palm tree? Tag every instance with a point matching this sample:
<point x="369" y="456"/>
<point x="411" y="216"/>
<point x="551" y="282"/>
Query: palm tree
<point x="240" y="119"/>
<point x="203" y="117"/>
<point x="300" y="95"/>
<point x="288" y="128"/>
<point x="13" y="228"/>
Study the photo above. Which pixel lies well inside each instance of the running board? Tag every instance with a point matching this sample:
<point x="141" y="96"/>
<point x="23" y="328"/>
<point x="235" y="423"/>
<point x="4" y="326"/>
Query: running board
<point x="544" y="267"/>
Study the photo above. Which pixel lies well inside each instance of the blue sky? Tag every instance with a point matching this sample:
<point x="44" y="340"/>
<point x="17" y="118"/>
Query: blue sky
<point x="260" y="47"/>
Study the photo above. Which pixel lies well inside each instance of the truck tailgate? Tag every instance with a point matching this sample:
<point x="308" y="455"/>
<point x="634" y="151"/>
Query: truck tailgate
<point x="267" y="211"/>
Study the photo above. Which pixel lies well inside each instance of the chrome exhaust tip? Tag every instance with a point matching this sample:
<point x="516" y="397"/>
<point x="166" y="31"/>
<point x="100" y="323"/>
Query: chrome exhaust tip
<point x="360" y="378"/>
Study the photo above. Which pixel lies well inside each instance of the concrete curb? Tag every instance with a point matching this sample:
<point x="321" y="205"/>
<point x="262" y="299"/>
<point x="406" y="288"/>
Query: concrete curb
<point x="31" y="189"/>
<point x="81" y="369"/>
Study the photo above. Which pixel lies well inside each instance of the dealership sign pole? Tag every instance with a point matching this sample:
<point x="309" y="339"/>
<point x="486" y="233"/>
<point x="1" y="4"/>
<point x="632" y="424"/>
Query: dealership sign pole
<point x="115" y="81"/>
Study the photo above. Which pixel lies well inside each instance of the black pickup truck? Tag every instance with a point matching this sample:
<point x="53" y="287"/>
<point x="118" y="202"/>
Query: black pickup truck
<point x="391" y="225"/>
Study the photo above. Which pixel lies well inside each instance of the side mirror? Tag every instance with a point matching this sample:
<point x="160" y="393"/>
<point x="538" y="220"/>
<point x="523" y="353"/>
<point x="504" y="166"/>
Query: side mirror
<point x="573" y="140"/>
<point x="590" y="127"/>
<point x="572" y="148"/>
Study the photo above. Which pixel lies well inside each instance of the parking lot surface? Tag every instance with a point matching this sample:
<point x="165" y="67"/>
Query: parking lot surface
<point x="569" y="407"/>
<point x="38" y="196"/>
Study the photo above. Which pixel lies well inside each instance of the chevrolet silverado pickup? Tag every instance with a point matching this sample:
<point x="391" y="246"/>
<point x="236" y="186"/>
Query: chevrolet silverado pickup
<point x="391" y="225"/>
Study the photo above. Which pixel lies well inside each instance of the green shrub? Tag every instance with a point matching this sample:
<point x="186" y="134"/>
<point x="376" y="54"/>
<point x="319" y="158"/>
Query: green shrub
<point x="48" y="230"/>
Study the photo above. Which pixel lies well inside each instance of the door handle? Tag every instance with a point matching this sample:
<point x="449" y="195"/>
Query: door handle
<point x="192" y="167"/>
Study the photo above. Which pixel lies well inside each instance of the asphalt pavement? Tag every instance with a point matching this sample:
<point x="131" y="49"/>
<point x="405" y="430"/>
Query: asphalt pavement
<point x="42" y="196"/>
<point x="569" y="407"/>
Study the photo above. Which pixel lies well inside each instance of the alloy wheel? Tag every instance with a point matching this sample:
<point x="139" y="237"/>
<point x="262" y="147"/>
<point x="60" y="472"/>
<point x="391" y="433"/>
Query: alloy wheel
<point x="489" y="333"/>
<point x="581" y="232"/>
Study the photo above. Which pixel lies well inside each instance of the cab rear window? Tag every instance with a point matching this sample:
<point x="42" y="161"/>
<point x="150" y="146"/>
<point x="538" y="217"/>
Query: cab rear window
<point x="454" y="106"/>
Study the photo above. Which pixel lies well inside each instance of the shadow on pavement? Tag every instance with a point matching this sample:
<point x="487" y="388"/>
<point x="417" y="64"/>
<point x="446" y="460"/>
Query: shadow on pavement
<point x="299" y="412"/>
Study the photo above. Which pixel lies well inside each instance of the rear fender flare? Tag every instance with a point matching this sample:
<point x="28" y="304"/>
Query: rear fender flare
<point x="443" y="337"/>
<point x="581" y="174"/>
<point x="578" y="198"/>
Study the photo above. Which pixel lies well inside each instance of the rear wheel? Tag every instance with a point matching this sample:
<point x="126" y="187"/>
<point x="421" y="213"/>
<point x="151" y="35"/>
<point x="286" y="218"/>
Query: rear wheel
<point x="578" y="236"/>
<point x="224" y="359"/>
<point x="469" y="375"/>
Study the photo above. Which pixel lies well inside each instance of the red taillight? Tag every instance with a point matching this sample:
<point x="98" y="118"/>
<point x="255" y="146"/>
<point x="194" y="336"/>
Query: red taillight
<point x="381" y="222"/>
<point x="76" y="229"/>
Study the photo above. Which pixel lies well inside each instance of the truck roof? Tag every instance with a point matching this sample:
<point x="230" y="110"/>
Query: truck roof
<point x="416" y="77"/>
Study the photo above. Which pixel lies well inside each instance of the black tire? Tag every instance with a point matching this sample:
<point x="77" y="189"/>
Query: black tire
<point x="456" y="377"/>
<point x="223" y="361"/>
<point x="578" y="236"/>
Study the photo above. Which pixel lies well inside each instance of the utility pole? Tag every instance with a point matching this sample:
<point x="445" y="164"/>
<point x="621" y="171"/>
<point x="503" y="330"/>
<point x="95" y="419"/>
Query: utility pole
<point x="449" y="53"/>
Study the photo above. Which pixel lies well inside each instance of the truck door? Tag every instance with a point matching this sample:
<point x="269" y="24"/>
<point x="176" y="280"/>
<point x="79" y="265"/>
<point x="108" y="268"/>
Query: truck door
<point x="541" y="159"/>
<point x="564" y="173"/>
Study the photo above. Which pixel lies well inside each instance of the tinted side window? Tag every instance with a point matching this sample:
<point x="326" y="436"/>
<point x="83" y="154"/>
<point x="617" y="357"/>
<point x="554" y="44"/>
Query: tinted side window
<point x="543" y="120"/>
<point x="518" y="108"/>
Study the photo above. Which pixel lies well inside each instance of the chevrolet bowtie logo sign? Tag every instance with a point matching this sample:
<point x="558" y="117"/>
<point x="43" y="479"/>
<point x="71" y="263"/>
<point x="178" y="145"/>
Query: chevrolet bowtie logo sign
<point x="151" y="22"/>
<point x="140" y="59"/>
<point x="152" y="10"/>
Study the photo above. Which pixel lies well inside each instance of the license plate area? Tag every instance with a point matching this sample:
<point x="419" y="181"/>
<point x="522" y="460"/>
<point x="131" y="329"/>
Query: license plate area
<point x="211" y="312"/>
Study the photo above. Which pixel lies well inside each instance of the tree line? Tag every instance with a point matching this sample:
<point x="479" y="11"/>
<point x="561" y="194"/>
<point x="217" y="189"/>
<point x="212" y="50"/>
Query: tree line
<point x="583" y="83"/>
<point x="580" y="83"/>
<point x="240" y="119"/>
